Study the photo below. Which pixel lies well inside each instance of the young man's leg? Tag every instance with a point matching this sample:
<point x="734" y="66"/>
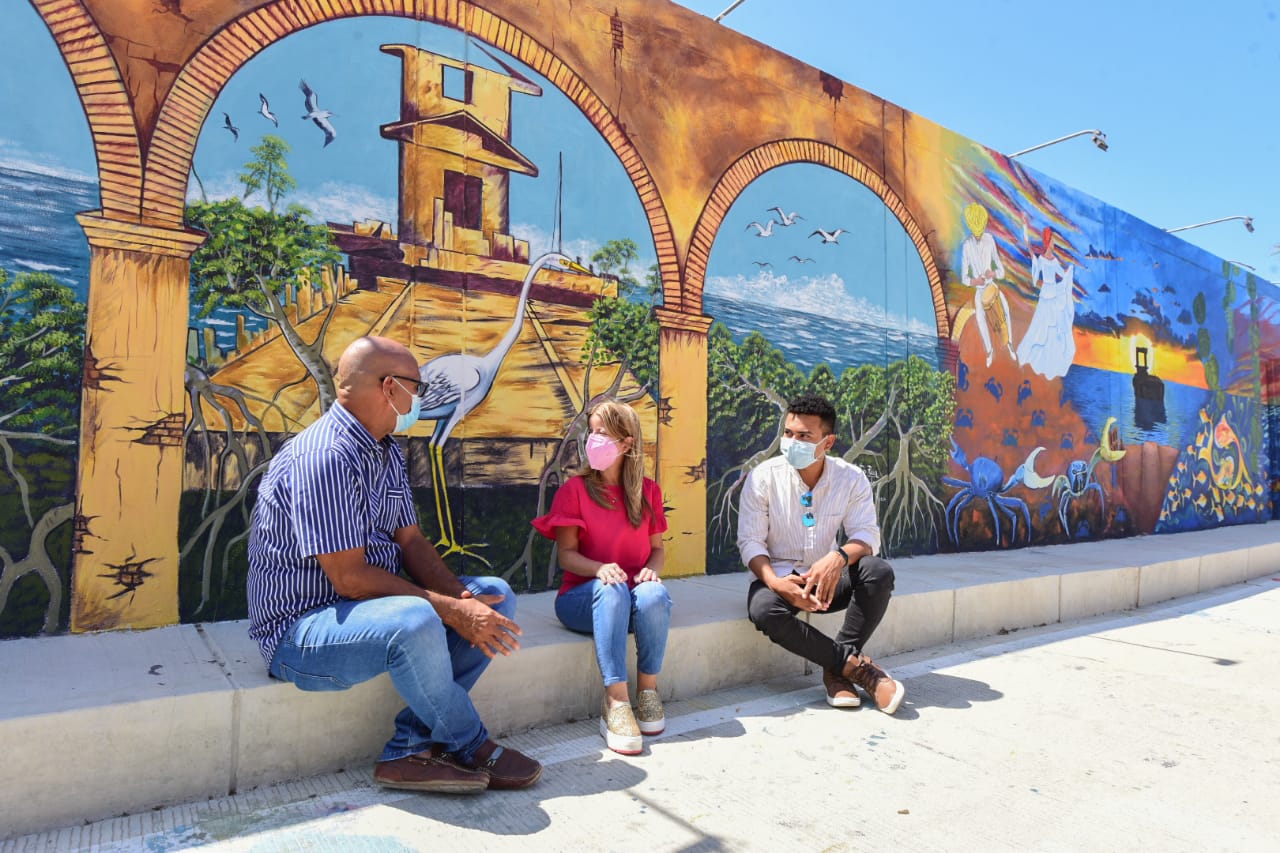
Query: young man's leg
<point x="865" y="591"/>
<point x="776" y="619"/>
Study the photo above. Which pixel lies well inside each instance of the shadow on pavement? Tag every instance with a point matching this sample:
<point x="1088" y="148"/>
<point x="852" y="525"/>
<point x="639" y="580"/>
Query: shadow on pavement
<point x="521" y="812"/>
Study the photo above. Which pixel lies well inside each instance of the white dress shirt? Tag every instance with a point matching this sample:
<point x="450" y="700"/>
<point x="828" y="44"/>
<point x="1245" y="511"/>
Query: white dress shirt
<point x="979" y="255"/>
<point x="770" y="516"/>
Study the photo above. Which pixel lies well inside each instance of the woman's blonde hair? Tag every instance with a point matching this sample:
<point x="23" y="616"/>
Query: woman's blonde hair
<point x="621" y="422"/>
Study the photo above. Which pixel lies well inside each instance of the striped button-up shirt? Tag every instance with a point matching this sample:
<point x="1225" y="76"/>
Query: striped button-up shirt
<point x="771" y="517"/>
<point x="330" y="488"/>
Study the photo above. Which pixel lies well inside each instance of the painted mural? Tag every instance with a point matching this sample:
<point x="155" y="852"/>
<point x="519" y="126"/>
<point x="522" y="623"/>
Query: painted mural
<point x="550" y="206"/>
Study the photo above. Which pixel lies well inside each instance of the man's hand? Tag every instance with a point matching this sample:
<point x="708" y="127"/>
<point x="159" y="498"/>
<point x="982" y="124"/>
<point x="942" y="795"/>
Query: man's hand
<point x="480" y="625"/>
<point x="611" y="573"/>
<point x="791" y="589"/>
<point x="647" y="574"/>
<point x="824" y="574"/>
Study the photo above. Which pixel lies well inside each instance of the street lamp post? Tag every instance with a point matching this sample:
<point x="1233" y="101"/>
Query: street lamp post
<point x="1099" y="139"/>
<point x="1248" y="224"/>
<point x="734" y="5"/>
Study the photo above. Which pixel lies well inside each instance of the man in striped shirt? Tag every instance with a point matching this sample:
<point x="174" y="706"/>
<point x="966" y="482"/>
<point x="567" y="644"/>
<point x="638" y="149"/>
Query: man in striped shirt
<point x="343" y="586"/>
<point x="793" y="508"/>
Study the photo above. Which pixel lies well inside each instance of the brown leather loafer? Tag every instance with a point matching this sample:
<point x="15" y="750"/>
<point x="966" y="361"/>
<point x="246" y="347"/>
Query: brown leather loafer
<point x="507" y="769"/>
<point x="434" y="770"/>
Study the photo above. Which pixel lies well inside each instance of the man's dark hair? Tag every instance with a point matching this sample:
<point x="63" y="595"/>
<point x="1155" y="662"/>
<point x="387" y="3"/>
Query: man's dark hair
<point x="812" y="404"/>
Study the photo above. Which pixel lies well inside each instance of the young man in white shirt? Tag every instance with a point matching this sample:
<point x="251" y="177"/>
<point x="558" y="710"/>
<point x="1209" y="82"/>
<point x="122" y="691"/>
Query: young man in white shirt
<point x="792" y="509"/>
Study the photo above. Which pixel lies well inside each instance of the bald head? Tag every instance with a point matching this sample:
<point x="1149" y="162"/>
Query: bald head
<point x="368" y="359"/>
<point x="365" y="388"/>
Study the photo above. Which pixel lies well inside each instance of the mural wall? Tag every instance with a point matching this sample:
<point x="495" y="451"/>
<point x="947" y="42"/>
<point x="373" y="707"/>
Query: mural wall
<point x="549" y="206"/>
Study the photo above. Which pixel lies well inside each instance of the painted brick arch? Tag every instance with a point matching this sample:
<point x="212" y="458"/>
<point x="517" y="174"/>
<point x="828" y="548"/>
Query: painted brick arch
<point x="782" y="152"/>
<point x="193" y="94"/>
<point x="106" y="103"/>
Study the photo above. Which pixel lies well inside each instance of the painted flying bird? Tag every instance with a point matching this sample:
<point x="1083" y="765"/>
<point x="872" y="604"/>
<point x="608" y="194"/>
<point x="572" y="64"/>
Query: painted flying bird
<point x="317" y="115"/>
<point x="455" y="383"/>
<point x="829" y="236"/>
<point x="765" y="230"/>
<point x="800" y="260"/>
<point x="227" y="125"/>
<point x="265" y="110"/>
<point x="762" y="264"/>
<point x="786" y="220"/>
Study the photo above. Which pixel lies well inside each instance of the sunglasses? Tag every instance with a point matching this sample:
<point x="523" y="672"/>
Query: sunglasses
<point x="419" y="387"/>
<point x="806" y="501"/>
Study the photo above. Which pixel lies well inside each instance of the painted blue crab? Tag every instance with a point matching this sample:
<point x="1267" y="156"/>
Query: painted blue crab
<point x="1078" y="481"/>
<point x="986" y="483"/>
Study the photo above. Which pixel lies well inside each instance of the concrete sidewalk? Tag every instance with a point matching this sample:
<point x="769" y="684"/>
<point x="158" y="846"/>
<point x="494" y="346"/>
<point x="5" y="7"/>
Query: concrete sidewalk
<point x="1146" y="731"/>
<point x="186" y="713"/>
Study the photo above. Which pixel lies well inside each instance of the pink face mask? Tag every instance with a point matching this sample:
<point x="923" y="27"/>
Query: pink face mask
<point x="602" y="451"/>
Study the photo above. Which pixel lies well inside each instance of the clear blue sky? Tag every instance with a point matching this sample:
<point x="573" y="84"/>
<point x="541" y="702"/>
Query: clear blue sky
<point x="1185" y="90"/>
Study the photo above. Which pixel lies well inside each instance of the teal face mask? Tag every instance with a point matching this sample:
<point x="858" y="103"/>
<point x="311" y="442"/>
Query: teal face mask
<point x="405" y="421"/>
<point x="800" y="454"/>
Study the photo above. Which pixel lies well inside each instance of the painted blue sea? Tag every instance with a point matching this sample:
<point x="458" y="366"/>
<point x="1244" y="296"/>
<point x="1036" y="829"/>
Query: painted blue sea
<point x="39" y="233"/>
<point x="1101" y="394"/>
<point x="810" y="339"/>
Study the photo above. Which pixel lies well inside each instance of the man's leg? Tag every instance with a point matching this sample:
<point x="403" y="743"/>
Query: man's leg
<point x="469" y="662"/>
<point x="865" y="589"/>
<point x="335" y="647"/>
<point x="776" y="619"/>
<point x="864" y="592"/>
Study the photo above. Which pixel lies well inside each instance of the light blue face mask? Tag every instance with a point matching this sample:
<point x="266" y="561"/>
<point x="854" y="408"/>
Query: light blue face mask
<point x="408" y="419"/>
<point x="800" y="454"/>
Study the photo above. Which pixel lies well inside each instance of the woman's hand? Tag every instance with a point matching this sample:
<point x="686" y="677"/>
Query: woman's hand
<point x="647" y="574"/>
<point x="610" y="573"/>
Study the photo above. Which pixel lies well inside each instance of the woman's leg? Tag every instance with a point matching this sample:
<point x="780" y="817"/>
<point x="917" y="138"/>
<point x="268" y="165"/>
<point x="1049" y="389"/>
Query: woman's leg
<point x="651" y="617"/>
<point x="602" y="610"/>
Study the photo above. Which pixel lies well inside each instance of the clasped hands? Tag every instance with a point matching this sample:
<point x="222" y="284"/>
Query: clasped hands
<point x="814" y="590"/>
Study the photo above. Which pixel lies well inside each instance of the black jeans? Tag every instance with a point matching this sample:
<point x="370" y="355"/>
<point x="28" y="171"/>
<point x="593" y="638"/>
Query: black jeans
<point x="862" y="592"/>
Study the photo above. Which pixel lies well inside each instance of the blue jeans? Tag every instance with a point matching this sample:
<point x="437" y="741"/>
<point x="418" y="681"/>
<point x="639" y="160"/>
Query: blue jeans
<point x="432" y="667"/>
<point x="608" y="612"/>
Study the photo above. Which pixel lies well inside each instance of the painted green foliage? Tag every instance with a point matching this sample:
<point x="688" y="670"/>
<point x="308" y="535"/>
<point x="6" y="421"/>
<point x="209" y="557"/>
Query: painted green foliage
<point x="254" y="254"/>
<point x="41" y="362"/>
<point x="624" y="329"/>
<point x="893" y="420"/>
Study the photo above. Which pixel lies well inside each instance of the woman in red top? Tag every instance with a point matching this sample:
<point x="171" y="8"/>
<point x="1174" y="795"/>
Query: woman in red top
<point x="608" y="523"/>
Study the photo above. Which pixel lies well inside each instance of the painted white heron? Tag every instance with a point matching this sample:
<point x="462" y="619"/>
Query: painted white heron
<point x="265" y="110"/>
<point x="786" y="220"/>
<point x="456" y="383"/>
<point x="317" y="115"/>
<point x="765" y="230"/>
<point x="829" y="236"/>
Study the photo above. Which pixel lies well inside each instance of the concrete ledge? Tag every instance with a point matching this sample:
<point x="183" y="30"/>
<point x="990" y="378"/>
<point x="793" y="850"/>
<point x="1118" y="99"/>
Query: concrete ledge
<point x="173" y="714"/>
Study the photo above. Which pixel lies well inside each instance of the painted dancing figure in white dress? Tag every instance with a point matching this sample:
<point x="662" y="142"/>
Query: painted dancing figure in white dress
<point x="1049" y="346"/>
